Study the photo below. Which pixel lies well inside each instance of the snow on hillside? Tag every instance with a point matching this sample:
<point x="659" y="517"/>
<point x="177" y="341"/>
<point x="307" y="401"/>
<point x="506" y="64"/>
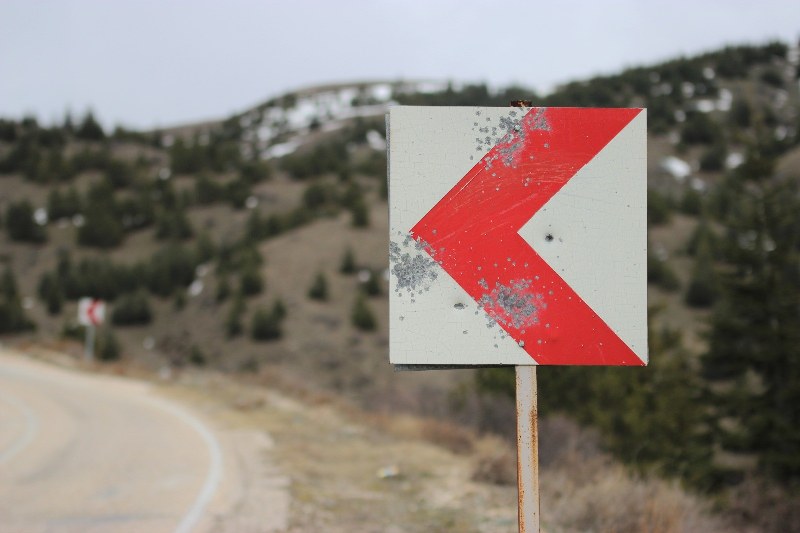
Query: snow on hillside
<point x="280" y="127"/>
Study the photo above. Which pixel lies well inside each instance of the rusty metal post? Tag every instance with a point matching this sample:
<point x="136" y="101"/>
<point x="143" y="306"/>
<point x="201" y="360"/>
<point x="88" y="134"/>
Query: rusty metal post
<point x="527" y="449"/>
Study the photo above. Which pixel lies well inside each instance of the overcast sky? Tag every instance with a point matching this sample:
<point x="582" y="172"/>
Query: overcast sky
<point x="147" y="63"/>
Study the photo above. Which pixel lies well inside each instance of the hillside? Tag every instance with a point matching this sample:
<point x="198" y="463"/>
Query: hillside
<point x="257" y="245"/>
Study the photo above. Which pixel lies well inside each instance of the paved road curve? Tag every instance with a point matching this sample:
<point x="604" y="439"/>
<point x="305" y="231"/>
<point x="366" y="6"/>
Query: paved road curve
<point x="81" y="453"/>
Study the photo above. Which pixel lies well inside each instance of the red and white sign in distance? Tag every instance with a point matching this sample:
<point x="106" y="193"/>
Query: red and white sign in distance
<point x="91" y="312"/>
<point x="518" y="236"/>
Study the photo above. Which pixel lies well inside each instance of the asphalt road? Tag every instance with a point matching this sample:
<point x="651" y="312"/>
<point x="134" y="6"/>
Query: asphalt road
<point x="86" y="453"/>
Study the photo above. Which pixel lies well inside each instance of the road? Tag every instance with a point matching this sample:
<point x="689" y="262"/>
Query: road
<point x="91" y="453"/>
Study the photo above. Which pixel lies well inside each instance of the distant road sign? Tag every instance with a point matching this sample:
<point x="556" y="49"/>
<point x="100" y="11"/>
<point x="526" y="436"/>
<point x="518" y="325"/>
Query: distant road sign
<point x="91" y="312"/>
<point x="518" y="236"/>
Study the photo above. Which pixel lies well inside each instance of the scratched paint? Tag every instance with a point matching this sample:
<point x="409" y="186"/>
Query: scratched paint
<point x="512" y="304"/>
<point x="414" y="271"/>
<point x="508" y="136"/>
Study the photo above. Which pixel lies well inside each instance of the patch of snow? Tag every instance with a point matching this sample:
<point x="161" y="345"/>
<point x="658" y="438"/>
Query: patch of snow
<point x="303" y="113"/>
<point x="675" y="167"/>
<point x="364" y="275"/>
<point x="747" y="240"/>
<point x="201" y="270"/>
<point x="705" y="105"/>
<point x="196" y="287"/>
<point x="78" y="220"/>
<point x="381" y="92"/>
<point x="347" y="95"/>
<point x="793" y="55"/>
<point x="660" y="252"/>
<point x="430" y="87"/>
<point x="733" y="160"/>
<point x="708" y="73"/>
<point x="251" y="202"/>
<point x="148" y="343"/>
<point x="698" y="185"/>
<point x="680" y="115"/>
<point x="376" y="141"/>
<point x="265" y="133"/>
<point x="724" y="100"/>
<point x="332" y="126"/>
<point x="780" y="98"/>
<point x="28" y="302"/>
<point x="674" y="137"/>
<point x="164" y="174"/>
<point x="687" y="88"/>
<point x="280" y="150"/>
<point x="781" y="132"/>
<point x="661" y="89"/>
<point x="40" y="216"/>
<point x="167" y="140"/>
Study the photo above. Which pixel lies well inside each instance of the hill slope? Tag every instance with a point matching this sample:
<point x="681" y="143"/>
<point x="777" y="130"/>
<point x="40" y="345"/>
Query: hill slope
<point x="208" y="239"/>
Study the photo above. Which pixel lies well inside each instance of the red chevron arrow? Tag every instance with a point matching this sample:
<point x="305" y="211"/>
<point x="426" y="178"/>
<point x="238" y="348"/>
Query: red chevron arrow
<point x="472" y="232"/>
<point x="94" y="307"/>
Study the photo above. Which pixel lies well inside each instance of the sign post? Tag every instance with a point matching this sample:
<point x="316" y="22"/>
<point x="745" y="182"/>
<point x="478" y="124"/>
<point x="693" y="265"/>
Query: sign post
<point x="527" y="448"/>
<point x="91" y="313"/>
<point x="518" y="236"/>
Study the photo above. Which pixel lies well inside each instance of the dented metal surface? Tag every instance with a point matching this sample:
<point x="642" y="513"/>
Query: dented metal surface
<point x="411" y="267"/>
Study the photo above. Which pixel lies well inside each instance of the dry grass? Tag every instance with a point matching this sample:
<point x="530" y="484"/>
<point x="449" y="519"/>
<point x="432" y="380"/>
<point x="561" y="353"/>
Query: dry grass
<point x="449" y="436"/>
<point x="583" y="489"/>
<point x="597" y="495"/>
<point x="765" y="507"/>
<point x="495" y="462"/>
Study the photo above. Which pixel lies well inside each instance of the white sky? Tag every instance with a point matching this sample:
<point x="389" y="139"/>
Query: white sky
<point x="147" y="63"/>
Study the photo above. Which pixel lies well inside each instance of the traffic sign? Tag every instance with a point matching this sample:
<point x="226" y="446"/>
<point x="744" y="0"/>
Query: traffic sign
<point x="91" y="312"/>
<point x="518" y="236"/>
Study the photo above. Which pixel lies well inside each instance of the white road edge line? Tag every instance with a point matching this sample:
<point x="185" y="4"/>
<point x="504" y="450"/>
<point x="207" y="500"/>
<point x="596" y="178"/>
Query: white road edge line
<point x="215" y="468"/>
<point x="31" y="428"/>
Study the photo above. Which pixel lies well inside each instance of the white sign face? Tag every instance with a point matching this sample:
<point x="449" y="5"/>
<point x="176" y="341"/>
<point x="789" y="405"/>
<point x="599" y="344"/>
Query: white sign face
<point x="91" y="312"/>
<point x="518" y="236"/>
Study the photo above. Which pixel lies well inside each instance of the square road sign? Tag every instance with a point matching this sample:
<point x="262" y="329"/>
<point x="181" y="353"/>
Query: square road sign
<point x="518" y="236"/>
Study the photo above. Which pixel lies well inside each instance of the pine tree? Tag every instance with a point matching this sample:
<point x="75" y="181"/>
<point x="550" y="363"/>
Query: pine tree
<point x="360" y="214"/>
<point x="51" y="293"/>
<point x="251" y="282"/>
<point x="372" y="285"/>
<point x="233" y="323"/>
<point x="702" y="288"/>
<point x="641" y="413"/>
<point x="102" y="227"/>
<point x="12" y="315"/>
<point x="108" y="348"/>
<point x="21" y="225"/>
<point x="266" y="325"/>
<point x="132" y="309"/>
<point x="348" y="264"/>
<point x="362" y="316"/>
<point x="753" y="361"/>
<point x="89" y="129"/>
<point x="319" y="289"/>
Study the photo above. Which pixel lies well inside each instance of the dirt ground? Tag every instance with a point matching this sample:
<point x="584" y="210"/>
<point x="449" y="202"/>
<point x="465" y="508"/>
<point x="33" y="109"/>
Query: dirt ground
<point x="304" y="461"/>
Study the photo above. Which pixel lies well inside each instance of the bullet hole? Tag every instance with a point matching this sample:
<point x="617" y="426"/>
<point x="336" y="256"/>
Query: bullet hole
<point x="548" y="237"/>
<point x="459" y="306"/>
